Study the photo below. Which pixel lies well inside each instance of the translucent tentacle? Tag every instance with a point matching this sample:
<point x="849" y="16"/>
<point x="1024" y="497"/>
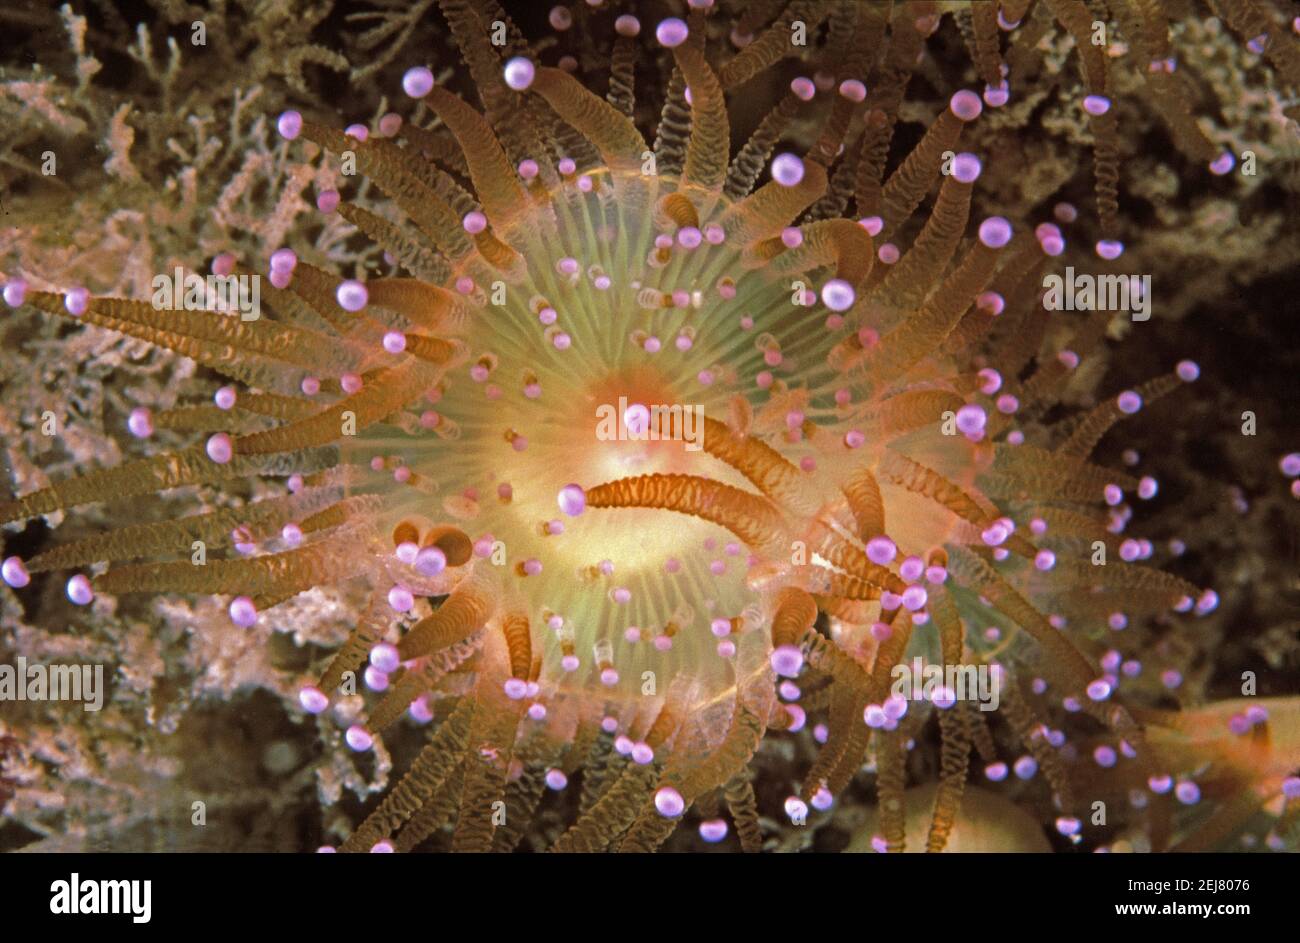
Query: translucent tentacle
<point x="764" y="467"/>
<point x="709" y="144"/>
<point x="915" y="274"/>
<point x="743" y="807"/>
<point x="430" y="307"/>
<point x="890" y="782"/>
<point x="794" y="615"/>
<point x="925" y="330"/>
<point x="750" y="517"/>
<point x="158" y="473"/>
<point x="840" y="241"/>
<point x="749" y="160"/>
<point x="1095" y="425"/>
<point x="774" y="44"/>
<point x="297" y="570"/>
<point x="863" y="494"/>
<point x="177" y="536"/>
<point x="426" y="776"/>
<point x="495" y="180"/>
<point x="907" y="185"/>
<point x="487" y="760"/>
<point x="619" y="142"/>
<point x="468" y="607"/>
<point x="766" y="211"/>
<point x="971" y="570"/>
<point x="372" y="404"/>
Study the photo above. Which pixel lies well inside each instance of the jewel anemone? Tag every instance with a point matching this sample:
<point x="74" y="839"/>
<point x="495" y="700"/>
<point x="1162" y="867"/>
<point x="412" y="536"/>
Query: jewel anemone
<point x="634" y="434"/>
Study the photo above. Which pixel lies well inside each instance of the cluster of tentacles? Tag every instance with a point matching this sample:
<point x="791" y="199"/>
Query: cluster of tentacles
<point x="875" y="479"/>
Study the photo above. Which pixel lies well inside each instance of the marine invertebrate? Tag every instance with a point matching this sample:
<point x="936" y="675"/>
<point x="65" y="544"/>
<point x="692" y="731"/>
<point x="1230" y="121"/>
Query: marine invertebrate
<point x="1238" y="755"/>
<point x="620" y="424"/>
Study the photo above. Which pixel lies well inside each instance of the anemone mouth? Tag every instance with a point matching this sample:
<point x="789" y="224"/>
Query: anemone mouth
<point x="600" y="361"/>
